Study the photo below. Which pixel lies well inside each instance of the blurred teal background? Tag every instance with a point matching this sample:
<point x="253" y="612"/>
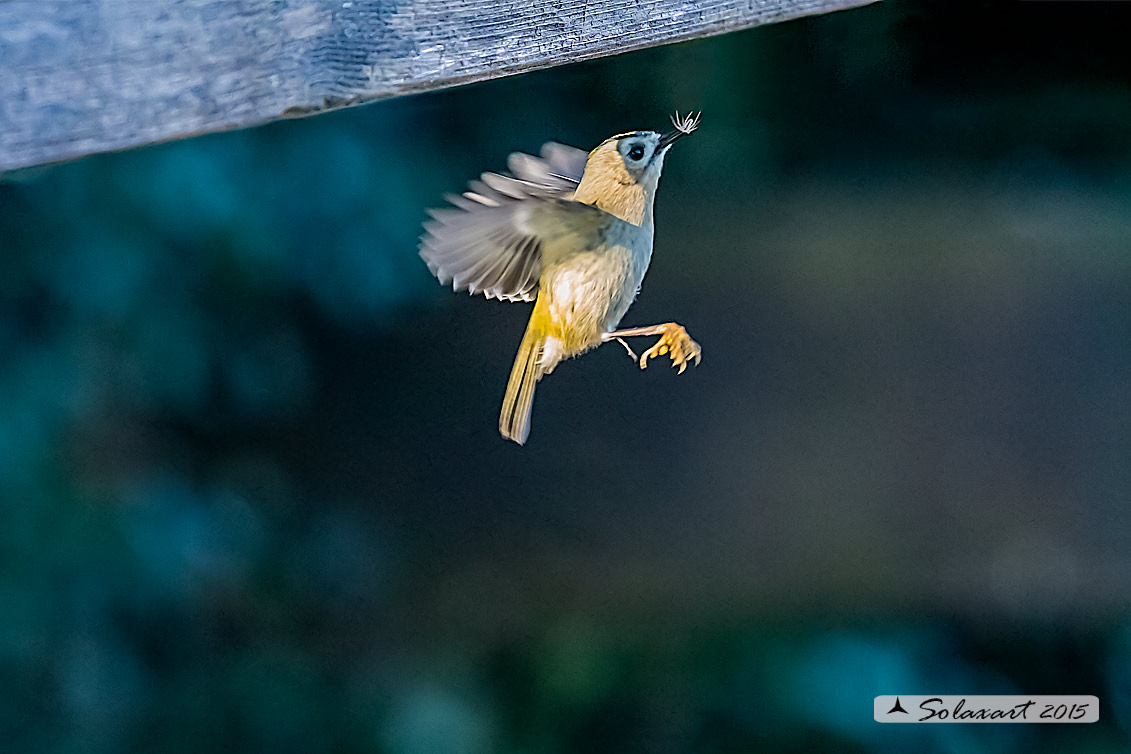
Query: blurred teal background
<point x="252" y="496"/>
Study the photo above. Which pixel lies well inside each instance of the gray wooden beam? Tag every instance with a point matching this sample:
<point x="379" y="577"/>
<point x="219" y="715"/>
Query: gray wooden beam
<point x="84" y="76"/>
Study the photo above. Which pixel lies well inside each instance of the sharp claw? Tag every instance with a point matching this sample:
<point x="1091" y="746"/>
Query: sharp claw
<point x="676" y="344"/>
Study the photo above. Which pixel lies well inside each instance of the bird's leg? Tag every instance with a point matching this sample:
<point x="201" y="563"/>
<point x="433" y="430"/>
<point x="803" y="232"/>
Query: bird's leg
<point x="673" y="340"/>
<point x="623" y="342"/>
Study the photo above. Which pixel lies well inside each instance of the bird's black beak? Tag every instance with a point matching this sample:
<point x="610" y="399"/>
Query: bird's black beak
<point x="669" y="138"/>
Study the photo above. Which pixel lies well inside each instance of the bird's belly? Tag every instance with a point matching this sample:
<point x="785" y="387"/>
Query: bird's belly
<point x="586" y="295"/>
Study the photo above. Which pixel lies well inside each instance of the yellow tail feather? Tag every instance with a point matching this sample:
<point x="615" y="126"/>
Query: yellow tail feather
<point x="514" y="419"/>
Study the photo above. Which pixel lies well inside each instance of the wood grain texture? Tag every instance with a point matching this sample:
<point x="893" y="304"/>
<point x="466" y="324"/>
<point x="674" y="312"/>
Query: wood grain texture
<point x="83" y="76"/>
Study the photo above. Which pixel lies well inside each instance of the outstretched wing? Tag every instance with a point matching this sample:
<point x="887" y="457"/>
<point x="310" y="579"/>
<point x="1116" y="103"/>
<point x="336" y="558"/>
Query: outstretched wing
<point x="489" y="241"/>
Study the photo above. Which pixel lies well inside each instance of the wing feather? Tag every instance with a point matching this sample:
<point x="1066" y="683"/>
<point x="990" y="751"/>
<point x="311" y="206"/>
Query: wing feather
<point x="485" y="242"/>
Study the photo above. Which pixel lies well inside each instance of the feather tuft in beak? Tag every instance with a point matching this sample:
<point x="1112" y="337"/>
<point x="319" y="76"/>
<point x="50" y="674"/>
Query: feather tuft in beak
<point x="683" y="126"/>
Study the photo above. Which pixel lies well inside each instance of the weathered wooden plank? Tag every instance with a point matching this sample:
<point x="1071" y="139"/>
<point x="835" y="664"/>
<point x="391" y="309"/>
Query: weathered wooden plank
<point x="83" y="76"/>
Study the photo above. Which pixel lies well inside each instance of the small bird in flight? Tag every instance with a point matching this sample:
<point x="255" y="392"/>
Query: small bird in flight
<point x="571" y="232"/>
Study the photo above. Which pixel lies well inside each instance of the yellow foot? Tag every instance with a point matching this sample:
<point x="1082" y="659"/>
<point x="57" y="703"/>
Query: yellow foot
<point x="675" y="341"/>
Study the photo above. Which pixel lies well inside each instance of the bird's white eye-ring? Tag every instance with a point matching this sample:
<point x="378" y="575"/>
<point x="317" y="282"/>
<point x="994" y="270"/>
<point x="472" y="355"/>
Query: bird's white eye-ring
<point x="637" y="152"/>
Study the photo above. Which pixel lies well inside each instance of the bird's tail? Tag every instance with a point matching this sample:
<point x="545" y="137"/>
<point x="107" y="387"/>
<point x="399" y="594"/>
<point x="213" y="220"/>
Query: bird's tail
<point x="514" y="419"/>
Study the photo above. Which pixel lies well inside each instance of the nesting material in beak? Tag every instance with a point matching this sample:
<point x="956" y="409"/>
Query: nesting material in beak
<point x="683" y="126"/>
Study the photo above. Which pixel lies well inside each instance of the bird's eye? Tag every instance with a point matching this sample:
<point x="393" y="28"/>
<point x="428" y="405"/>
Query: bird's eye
<point x="637" y="152"/>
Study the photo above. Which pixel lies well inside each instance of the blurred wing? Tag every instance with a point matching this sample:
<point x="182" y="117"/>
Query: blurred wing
<point x="490" y="242"/>
<point x="559" y="168"/>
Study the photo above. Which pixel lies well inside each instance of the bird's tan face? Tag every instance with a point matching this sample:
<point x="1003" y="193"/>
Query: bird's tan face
<point x="622" y="174"/>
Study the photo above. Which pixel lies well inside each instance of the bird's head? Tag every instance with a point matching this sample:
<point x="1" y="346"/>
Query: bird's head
<point x="622" y="173"/>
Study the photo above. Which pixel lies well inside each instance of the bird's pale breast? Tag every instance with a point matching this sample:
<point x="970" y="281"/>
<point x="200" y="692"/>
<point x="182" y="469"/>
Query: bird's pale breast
<point x="587" y="292"/>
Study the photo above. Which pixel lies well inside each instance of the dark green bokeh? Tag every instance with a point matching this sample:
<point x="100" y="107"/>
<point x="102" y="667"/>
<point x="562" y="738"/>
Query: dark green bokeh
<point x="253" y="497"/>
